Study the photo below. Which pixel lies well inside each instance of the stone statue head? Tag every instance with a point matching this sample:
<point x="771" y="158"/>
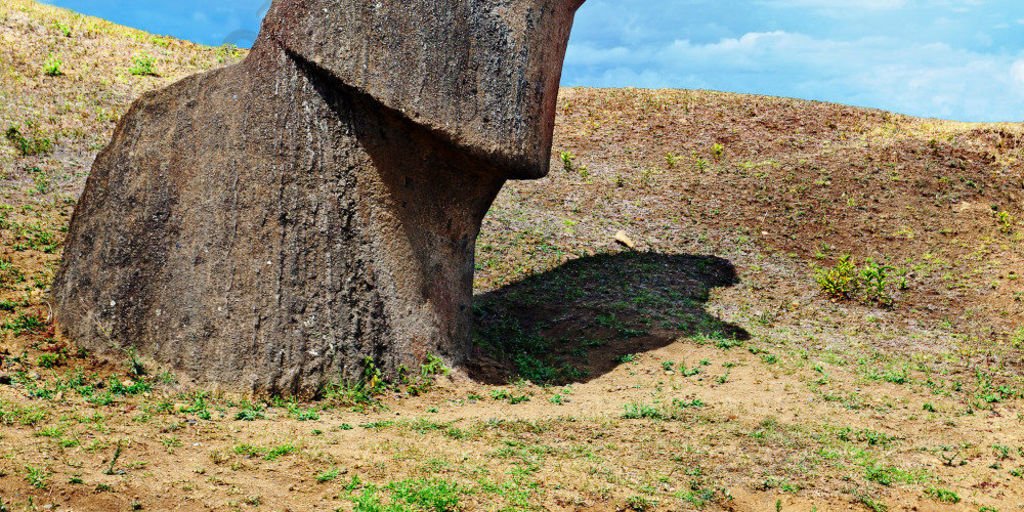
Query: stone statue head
<point x="483" y="75"/>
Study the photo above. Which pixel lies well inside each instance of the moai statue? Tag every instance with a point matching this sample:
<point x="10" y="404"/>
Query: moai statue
<point x="272" y="225"/>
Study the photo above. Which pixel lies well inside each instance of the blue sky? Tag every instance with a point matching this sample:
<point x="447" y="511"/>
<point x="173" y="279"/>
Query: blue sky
<point x="961" y="60"/>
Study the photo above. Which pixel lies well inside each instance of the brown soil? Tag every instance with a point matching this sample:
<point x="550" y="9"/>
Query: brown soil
<point x="707" y="369"/>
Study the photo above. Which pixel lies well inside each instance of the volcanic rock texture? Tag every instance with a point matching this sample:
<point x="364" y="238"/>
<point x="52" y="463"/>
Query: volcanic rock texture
<point x="276" y="224"/>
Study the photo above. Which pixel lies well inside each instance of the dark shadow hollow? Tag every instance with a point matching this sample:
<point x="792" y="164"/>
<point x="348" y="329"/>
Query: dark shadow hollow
<point x="576" y="322"/>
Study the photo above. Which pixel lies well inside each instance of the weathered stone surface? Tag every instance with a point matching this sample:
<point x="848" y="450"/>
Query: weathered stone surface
<point x="272" y="224"/>
<point x="483" y="74"/>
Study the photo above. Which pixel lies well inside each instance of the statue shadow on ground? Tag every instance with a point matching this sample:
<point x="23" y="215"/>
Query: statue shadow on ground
<point x="579" y="321"/>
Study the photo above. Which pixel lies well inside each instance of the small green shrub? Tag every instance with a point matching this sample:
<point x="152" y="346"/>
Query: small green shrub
<point x="699" y="496"/>
<point x="639" y="503"/>
<point x="250" y="412"/>
<point x="198" y="406"/>
<point x="688" y="372"/>
<point x="1016" y="339"/>
<point x="24" y="323"/>
<point x="48" y="360"/>
<point x="128" y="387"/>
<point x="696" y="402"/>
<point x="424" y="381"/>
<point x="278" y="451"/>
<point x="943" y="495"/>
<point x="42" y="182"/>
<point x="873" y="505"/>
<point x="671" y="161"/>
<point x="874" y="279"/>
<point x="306" y="414"/>
<point x="518" y="399"/>
<point x="568" y="161"/>
<point x="1002" y="452"/>
<point x="142" y="66"/>
<point x="37" y="477"/>
<point x="31" y="143"/>
<point x="728" y="343"/>
<point x="717" y="151"/>
<point x="887" y="475"/>
<point x="871" y="437"/>
<point x="328" y="475"/>
<point x="1005" y="221"/>
<point x="362" y="393"/>
<point x="247" y="450"/>
<point x="840" y="281"/>
<point x="844" y="281"/>
<point x="134" y="364"/>
<point x="62" y="28"/>
<point x="52" y="67"/>
<point x="701" y="163"/>
<point x="637" y="410"/>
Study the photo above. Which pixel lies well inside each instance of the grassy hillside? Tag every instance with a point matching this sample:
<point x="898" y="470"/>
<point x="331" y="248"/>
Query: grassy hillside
<point x="824" y="310"/>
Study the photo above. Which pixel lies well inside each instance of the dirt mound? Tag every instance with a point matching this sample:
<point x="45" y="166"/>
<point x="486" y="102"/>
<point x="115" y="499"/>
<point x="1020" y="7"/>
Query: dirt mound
<point x="709" y="369"/>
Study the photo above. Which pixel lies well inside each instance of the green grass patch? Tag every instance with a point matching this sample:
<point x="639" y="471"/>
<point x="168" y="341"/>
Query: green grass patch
<point x="943" y="495"/>
<point x="888" y="475"/>
<point x="410" y="495"/>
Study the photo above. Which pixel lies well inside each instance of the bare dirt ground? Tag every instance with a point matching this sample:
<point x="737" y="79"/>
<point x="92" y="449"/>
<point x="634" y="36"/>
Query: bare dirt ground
<point x="824" y="311"/>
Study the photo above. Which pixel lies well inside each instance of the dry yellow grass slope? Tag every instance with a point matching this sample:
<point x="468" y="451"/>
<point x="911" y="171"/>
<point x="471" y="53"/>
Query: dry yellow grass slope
<point x="824" y="313"/>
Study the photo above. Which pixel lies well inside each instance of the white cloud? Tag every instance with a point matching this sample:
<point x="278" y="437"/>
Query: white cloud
<point x="932" y="79"/>
<point x="1017" y="74"/>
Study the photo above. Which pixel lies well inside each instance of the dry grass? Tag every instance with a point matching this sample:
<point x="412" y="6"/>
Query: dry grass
<point x="708" y="370"/>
